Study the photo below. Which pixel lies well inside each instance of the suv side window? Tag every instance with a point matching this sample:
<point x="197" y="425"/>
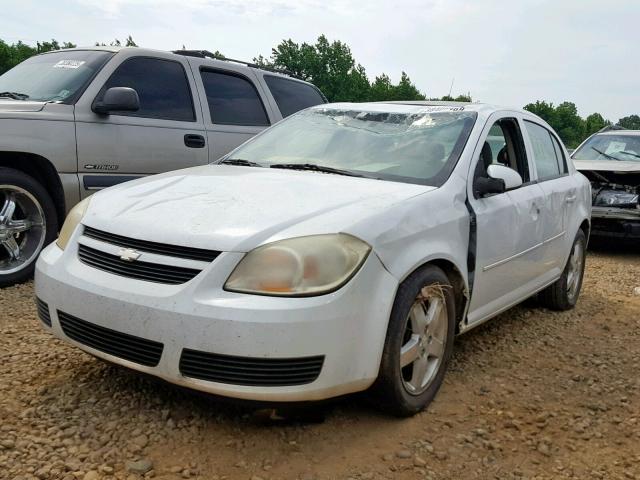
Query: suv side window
<point x="547" y="156"/>
<point x="233" y="99"/>
<point x="162" y="86"/>
<point x="292" y="96"/>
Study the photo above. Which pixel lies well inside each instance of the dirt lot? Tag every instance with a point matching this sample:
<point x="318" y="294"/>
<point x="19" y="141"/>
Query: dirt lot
<point x="532" y="394"/>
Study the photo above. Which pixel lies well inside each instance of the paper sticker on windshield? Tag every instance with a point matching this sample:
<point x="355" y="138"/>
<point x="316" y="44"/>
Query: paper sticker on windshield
<point x="442" y="108"/>
<point x="615" y="147"/>
<point x="69" y="64"/>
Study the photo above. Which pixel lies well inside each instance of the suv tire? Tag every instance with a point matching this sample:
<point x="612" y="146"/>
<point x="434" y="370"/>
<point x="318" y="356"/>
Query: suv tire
<point x="28" y="222"/>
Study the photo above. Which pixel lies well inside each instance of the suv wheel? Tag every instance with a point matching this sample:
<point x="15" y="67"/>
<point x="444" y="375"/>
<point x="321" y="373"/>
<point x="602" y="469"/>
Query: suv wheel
<point x="28" y="222"/>
<point x="419" y="343"/>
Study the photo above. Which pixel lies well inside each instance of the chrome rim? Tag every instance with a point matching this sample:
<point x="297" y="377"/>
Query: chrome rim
<point x="22" y="228"/>
<point x="424" y="340"/>
<point x="575" y="270"/>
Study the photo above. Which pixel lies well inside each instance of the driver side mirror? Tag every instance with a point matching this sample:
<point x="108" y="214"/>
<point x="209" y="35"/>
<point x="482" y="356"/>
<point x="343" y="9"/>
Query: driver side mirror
<point x="118" y="99"/>
<point x="499" y="180"/>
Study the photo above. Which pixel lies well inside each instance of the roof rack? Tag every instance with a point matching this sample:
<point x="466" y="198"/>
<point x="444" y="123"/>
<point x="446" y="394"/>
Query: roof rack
<point x="208" y="54"/>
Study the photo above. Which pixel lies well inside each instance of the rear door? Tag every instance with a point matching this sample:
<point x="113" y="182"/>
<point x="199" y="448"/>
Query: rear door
<point x="551" y="174"/>
<point x="234" y="106"/>
<point x="167" y="133"/>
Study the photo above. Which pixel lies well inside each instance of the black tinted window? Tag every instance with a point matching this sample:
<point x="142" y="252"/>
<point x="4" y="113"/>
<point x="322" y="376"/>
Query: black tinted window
<point x="161" y="85"/>
<point x="292" y="96"/>
<point x="233" y="100"/>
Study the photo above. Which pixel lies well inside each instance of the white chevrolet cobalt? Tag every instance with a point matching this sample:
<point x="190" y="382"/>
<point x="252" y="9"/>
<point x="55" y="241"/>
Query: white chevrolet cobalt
<point x="338" y="251"/>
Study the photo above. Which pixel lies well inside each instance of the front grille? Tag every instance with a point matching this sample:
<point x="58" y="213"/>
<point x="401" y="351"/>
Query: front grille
<point x="135" y="349"/>
<point x="251" y="371"/>
<point x="151" y="272"/>
<point x="152" y="247"/>
<point x="43" y="312"/>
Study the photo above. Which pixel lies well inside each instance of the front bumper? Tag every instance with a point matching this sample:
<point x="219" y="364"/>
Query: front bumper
<point x="347" y="327"/>
<point x="615" y="222"/>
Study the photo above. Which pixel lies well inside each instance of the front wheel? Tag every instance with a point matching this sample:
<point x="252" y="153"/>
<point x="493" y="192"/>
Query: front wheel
<point x="419" y="343"/>
<point x="563" y="293"/>
<point x="28" y="222"/>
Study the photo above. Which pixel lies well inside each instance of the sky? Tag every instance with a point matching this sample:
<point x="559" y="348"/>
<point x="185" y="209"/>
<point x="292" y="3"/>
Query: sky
<point x="503" y="52"/>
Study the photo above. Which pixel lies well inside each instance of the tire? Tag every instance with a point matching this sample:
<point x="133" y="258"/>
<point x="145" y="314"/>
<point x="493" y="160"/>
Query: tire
<point x="563" y="293"/>
<point x="403" y="391"/>
<point x="28" y="222"/>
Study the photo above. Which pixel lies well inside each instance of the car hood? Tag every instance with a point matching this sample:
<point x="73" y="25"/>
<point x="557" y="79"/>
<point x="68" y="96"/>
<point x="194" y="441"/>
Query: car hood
<point x="233" y="208"/>
<point x="607" y="165"/>
<point x="8" y="105"/>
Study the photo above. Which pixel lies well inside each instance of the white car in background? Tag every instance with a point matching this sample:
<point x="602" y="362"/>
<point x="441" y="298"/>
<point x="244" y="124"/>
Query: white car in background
<point x="338" y="251"/>
<point x="610" y="159"/>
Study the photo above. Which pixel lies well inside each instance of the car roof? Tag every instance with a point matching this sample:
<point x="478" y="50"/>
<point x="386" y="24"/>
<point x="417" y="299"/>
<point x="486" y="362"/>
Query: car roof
<point x="422" y="105"/>
<point x="152" y="51"/>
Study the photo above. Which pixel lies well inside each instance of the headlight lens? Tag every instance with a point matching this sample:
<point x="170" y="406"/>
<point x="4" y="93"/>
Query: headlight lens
<point x="302" y="266"/>
<point x="618" y="199"/>
<point x="71" y="222"/>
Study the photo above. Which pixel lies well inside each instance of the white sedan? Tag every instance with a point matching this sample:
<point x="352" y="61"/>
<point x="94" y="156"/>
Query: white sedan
<point x="340" y="250"/>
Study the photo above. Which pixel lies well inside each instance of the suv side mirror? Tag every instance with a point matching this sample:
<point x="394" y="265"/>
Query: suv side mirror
<point x="118" y="99"/>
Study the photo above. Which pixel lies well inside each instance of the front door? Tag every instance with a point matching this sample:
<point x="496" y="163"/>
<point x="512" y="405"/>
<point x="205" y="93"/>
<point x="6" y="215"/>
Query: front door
<point x="509" y="225"/>
<point x="166" y="133"/>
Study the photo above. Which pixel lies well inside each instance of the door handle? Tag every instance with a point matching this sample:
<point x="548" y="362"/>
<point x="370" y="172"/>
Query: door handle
<point x="571" y="199"/>
<point x="194" y="141"/>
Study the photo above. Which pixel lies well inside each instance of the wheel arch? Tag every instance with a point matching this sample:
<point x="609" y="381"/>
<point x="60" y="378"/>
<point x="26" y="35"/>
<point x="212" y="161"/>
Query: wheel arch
<point x="458" y="282"/>
<point x="42" y="170"/>
<point x="585" y="226"/>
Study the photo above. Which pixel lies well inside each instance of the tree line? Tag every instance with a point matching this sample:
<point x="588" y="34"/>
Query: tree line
<point x="330" y="65"/>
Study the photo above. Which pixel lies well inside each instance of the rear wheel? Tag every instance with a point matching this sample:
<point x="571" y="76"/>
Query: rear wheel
<point x="563" y="294"/>
<point x="28" y="222"/>
<point x="419" y="343"/>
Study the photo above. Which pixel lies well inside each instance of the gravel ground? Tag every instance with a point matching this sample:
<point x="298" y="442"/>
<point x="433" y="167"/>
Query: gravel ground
<point x="531" y="394"/>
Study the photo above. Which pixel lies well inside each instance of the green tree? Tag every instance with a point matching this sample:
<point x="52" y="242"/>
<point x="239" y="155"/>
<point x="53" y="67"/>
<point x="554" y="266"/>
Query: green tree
<point x="632" y="122"/>
<point x="593" y="123"/>
<point x="332" y="68"/>
<point x="544" y="110"/>
<point x="564" y="119"/>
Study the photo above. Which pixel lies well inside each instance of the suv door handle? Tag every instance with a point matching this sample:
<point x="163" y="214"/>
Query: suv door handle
<point x="194" y="141"/>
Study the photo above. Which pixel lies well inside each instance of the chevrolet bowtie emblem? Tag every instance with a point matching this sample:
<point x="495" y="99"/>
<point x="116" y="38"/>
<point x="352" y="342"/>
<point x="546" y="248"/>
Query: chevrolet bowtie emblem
<point x="129" y="254"/>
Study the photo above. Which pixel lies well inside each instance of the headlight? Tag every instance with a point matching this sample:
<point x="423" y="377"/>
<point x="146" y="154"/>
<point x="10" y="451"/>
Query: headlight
<point x="71" y="222"/>
<point x="302" y="266"/>
<point x="613" y="198"/>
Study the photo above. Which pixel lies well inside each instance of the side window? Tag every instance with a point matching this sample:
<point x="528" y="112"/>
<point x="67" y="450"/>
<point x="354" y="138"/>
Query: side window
<point x="544" y="151"/>
<point x="292" y="96"/>
<point x="504" y="146"/>
<point x="233" y="100"/>
<point x="562" y="162"/>
<point x="162" y="86"/>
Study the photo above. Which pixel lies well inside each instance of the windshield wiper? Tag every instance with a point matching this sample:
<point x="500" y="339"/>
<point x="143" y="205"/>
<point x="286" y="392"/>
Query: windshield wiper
<point x="629" y="153"/>
<point x="607" y="155"/>
<point x="315" y="168"/>
<point x="241" y="162"/>
<point x="14" y="95"/>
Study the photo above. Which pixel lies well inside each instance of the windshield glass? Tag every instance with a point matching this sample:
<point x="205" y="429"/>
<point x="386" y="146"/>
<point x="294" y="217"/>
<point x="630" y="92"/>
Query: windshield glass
<point x="53" y="76"/>
<point x="415" y="146"/>
<point x="610" y="147"/>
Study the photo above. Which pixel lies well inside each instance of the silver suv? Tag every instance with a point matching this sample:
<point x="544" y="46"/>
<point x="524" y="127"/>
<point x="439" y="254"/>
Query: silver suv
<point x="78" y="120"/>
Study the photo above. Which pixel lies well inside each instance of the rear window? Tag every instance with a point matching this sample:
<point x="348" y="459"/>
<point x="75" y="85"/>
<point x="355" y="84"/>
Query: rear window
<point x="292" y="96"/>
<point x="233" y="100"/>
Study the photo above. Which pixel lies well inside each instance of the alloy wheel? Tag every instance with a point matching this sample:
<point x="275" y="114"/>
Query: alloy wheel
<point x="22" y="228"/>
<point x="575" y="270"/>
<point x="423" y="347"/>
